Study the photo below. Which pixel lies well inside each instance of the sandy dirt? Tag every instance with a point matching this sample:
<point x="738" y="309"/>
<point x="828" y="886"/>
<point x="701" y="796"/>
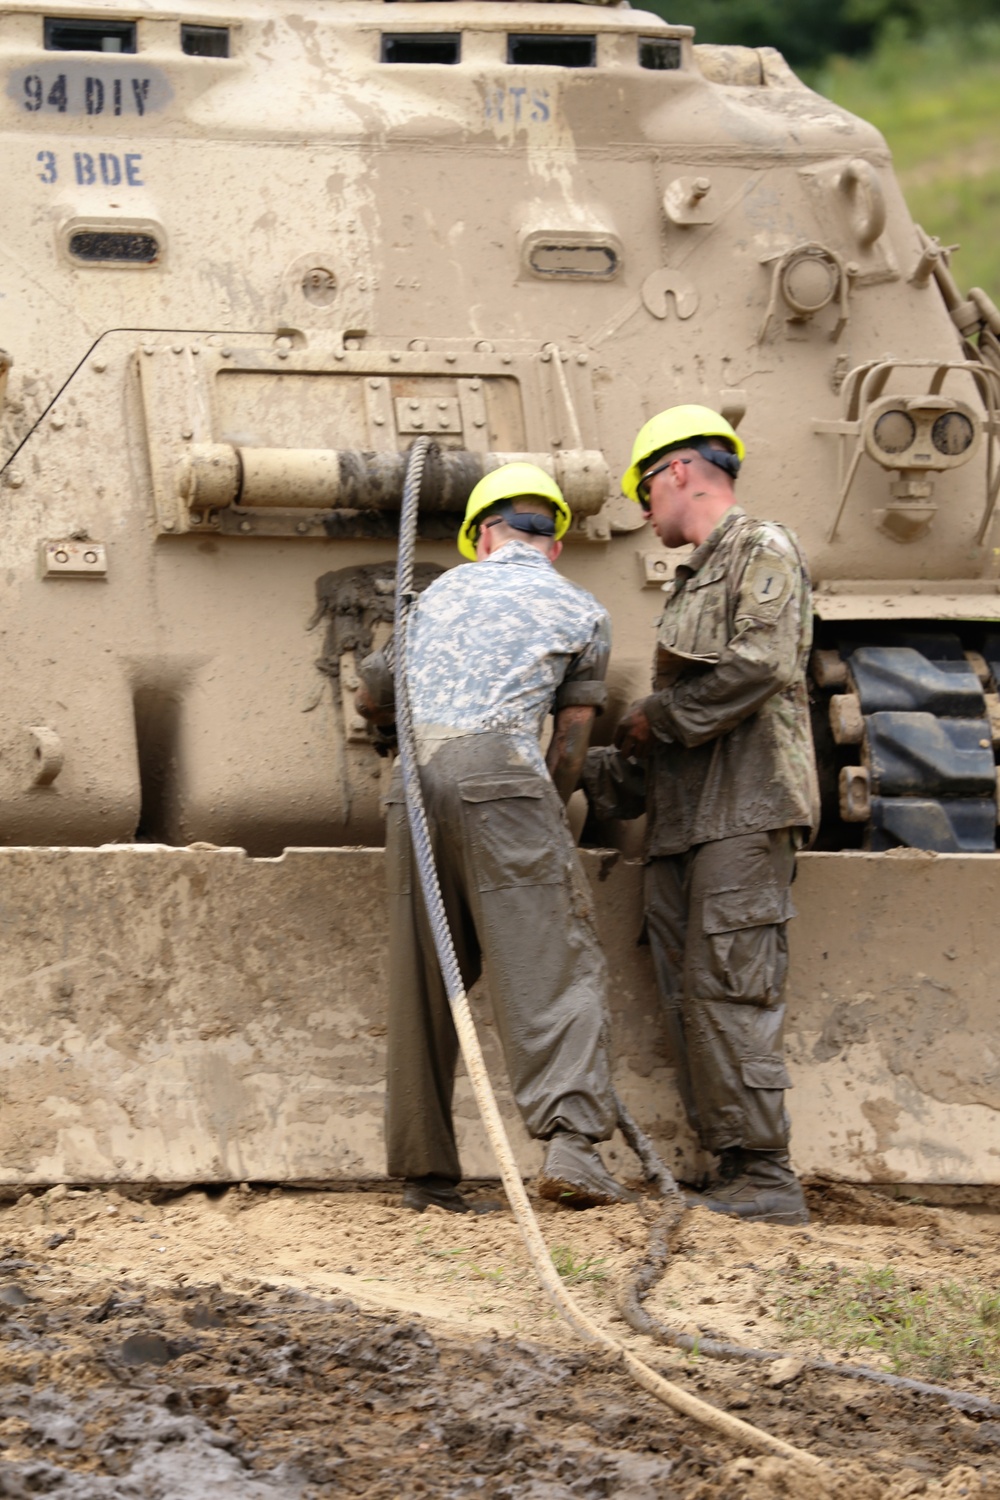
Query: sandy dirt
<point x="258" y="1344"/>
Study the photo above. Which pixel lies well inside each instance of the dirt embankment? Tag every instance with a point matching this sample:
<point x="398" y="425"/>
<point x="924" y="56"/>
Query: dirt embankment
<point x="258" y="1345"/>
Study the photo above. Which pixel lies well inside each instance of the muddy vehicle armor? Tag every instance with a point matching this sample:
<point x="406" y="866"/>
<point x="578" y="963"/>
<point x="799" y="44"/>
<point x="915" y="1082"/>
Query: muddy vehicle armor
<point x="246" y="257"/>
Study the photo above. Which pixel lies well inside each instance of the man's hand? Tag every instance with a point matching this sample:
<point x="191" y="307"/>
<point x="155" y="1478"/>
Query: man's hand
<point x="364" y="703"/>
<point x="634" y="734"/>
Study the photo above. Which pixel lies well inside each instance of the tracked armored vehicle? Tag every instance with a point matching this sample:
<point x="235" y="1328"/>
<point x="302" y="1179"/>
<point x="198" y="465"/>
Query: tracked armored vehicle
<point x="246" y="256"/>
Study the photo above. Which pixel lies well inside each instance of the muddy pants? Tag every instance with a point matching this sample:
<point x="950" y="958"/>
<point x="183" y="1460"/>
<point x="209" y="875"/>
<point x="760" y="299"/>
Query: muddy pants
<point x="518" y="904"/>
<point x="716" y="917"/>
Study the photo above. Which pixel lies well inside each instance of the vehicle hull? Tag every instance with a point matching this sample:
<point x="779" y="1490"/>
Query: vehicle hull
<point x="185" y="1015"/>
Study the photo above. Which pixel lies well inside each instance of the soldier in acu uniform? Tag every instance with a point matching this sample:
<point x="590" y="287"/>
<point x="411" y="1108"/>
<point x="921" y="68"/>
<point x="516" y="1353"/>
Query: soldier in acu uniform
<point x="731" y="794"/>
<point x="492" y="649"/>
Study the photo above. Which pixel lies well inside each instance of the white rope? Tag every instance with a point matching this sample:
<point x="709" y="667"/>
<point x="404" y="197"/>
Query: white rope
<point x="721" y="1422"/>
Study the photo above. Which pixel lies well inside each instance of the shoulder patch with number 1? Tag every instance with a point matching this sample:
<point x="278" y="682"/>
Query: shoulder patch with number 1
<point x="768" y="581"/>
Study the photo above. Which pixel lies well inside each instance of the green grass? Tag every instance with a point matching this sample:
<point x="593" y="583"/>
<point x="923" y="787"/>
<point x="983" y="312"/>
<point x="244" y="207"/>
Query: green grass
<point x="942" y="1332"/>
<point x="937" y="102"/>
<point x="463" y="1259"/>
<point x="575" y="1269"/>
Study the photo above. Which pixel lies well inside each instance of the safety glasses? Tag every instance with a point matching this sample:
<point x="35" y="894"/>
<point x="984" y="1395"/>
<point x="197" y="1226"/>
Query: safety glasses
<point x="642" y="488"/>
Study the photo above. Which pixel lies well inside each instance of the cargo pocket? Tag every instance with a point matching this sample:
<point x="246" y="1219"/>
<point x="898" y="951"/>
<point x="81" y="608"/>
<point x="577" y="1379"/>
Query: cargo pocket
<point x="765" y="1073"/>
<point x="513" y="839"/>
<point x="398" y="876"/>
<point x="745" y="952"/>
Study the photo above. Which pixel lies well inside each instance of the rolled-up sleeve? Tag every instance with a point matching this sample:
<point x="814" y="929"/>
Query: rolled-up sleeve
<point x="583" y="686"/>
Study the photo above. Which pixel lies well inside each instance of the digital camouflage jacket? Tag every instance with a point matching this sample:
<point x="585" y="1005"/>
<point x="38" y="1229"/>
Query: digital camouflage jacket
<point x="493" y="647"/>
<point x="733" y="750"/>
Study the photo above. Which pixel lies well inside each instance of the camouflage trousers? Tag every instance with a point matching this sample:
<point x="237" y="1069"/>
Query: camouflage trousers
<point x="518" y="905"/>
<point x="717" y="923"/>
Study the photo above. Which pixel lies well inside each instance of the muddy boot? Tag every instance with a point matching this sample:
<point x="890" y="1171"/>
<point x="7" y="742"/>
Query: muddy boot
<point x="421" y="1192"/>
<point x="728" y="1167"/>
<point x="574" y="1175"/>
<point x="731" y="1163"/>
<point x="764" y="1191"/>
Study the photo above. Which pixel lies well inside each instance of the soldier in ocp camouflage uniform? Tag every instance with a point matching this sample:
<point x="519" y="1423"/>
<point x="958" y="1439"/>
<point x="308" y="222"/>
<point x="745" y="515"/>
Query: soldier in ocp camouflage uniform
<point x="731" y="795"/>
<point x="492" y="649"/>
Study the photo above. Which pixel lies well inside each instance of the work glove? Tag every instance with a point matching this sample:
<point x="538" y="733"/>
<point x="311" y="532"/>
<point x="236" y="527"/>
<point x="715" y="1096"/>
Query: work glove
<point x="614" y="783"/>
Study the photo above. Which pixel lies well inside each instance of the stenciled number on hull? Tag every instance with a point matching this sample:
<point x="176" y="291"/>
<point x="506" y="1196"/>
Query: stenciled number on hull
<point x="90" y="168"/>
<point x="77" y="90"/>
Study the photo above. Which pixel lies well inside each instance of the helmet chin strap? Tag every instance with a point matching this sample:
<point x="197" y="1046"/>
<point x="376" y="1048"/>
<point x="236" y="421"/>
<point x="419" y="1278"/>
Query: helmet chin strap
<point x="727" y="462"/>
<point x="528" y="521"/>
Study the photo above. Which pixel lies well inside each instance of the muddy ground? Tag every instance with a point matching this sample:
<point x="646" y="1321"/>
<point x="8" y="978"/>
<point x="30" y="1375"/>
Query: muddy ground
<point x="282" y="1345"/>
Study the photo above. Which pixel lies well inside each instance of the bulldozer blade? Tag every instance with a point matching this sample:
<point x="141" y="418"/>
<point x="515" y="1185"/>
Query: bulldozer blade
<point x="182" y="1016"/>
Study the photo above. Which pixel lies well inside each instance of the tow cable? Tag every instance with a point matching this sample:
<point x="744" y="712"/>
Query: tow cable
<point x="721" y="1422"/>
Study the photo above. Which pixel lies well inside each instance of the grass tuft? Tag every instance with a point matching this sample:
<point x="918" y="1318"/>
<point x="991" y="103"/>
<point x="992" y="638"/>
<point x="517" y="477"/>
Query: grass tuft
<point x="938" y="1332"/>
<point x="575" y="1269"/>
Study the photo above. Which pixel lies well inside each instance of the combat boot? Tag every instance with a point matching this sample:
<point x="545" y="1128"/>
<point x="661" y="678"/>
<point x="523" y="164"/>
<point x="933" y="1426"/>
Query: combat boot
<point x="440" y="1192"/>
<point x="729" y="1165"/>
<point x="732" y="1160"/>
<point x="574" y="1175"/>
<point x="763" y="1190"/>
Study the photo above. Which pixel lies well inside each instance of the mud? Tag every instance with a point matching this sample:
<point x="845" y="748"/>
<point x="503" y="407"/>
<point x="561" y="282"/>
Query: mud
<point x="352" y="602"/>
<point x="261" y="1344"/>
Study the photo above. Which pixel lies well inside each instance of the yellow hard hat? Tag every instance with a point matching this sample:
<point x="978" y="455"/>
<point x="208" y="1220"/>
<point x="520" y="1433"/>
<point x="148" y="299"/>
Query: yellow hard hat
<point x="511" y="482"/>
<point x="675" y="426"/>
